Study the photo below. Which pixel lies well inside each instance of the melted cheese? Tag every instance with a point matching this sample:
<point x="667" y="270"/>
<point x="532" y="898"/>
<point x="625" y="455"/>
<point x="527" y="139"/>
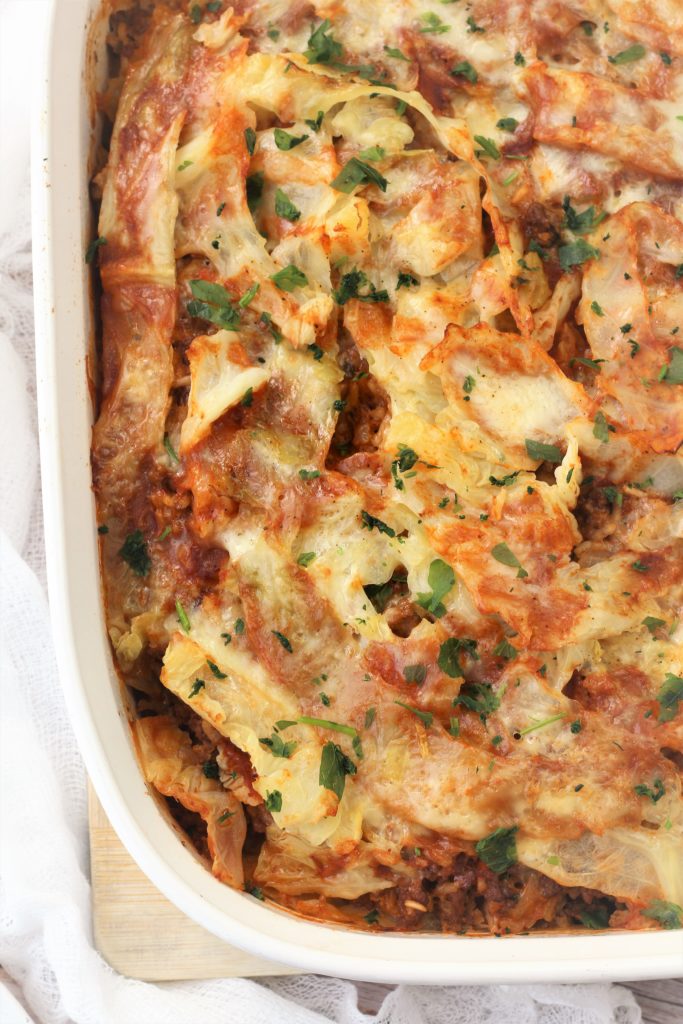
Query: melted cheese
<point x="406" y="610"/>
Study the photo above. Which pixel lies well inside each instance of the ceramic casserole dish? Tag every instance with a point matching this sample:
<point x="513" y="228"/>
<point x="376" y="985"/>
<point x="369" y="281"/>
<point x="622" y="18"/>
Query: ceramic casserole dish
<point x="63" y="145"/>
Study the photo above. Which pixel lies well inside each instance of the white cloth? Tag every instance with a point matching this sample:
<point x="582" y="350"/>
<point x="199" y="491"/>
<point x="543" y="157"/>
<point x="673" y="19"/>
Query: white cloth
<point x="45" y="925"/>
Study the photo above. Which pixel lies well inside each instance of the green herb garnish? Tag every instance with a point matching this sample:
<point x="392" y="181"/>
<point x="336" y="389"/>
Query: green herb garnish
<point x="441" y="579"/>
<point x="289" y="278"/>
<point x="134" y="552"/>
<point x="499" y="849"/>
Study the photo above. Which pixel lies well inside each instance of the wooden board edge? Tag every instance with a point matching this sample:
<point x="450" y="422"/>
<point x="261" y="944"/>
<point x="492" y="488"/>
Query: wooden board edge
<point x="140" y="933"/>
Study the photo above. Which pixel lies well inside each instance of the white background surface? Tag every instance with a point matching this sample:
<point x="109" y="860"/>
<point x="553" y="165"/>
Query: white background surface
<point x="45" y="943"/>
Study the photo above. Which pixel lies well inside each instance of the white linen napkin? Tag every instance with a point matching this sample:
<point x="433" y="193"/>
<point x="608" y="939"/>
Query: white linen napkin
<point x="46" y="942"/>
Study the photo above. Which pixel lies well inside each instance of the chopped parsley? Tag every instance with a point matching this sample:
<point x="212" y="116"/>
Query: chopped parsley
<point x="373" y="153"/>
<point x="595" y="917"/>
<point x="254" y="186"/>
<point x="654" y="794"/>
<point x="213" y="303"/>
<point x="403" y="463"/>
<point x="575" y="253"/>
<point x="580" y="223"/>
<point x="488" y="147"/>
<point x="373" y="523"/>
<point x="405" y="280"/>
<point x="182" y="617"/>
<point x="309" y="474"/>
<point x="504" y="649"/>
<point x="594" y="364"/>
<point x="277" y="745"/>
<point x="249" y="295"/>
<point x="210" y="770"/>
<point x="507" y="124"/>
<point x="449" y="655"/>
<point x="325" y="723"/>
<point x="91" y="251"/>
<point x="284" y="207"/>
<point x="323" y="48"/>
<point x="415" y="673"/>
<point x="502" y="554"/>
<point x="285" y="141"/>
<point x="669" y="697"/>
<point x="478" y="697"/>
<point x="247" y="398"/>
<point x="669" y="915"/>
<point x="536" y="247"/>
<point x="613" y="496"/>
<point x="653" y="624"/>
<point x="315" y="124"/>
<point x="197" y="685"/>
<point x="441" y="579"/>
<point x="239" y="627"/>
<point x="539" y="725"/>
<point x="305" y="558"/>
<point x="349" y="289"/>
<point x="282" y="639"/>
<point x="499" y="849"/>
<point x="673" y="371"/>
<point x="537" y="450"/>
<point x="250" y="140"/>
<point x="468" y="384"/>
<point x="628" y="56"/>
<point x="472" y="26"/>
<point x="334" y="767"/>
<point x="170" y="450"/>
<point x="273" y="801"/>
<point x="504" y="481"/>
<point x="640" y="566"/>
<point x="426" y="717"/>
<point x="289" y="278"/>
<point x="354" y="173"/>
<point x="601" y="428"/>
<point x="215" y="670"/>
<point x="392" y="51"/>
<point x="432" y="23"/>
<point x="575" y="727"/>
<point x="135" y="554"/>
<point x="225" y="816"/>
<point x="519" y="59"/>
<point x="465" y="70"/>
<point x="370" y="717"/>
<point x="597" y="308"/>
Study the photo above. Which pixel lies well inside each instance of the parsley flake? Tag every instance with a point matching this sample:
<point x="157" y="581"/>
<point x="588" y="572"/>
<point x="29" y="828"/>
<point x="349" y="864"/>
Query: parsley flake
<point x="134" y="552"/>
<point x="91" y="251"/>
<point x="334" y="767"/>
<point x="537" y="450"/>
<point x="449" y="655"/>
<point x="289" y="278"/>
<point x="502" y="554"/>
<point x="285" y="141"/>
<point x="499" y="849"/>
<point x="441" y="579"/>
<point x="465" y="70"/>
<point x="354" y="173"/>
<point x="283" y="640"/>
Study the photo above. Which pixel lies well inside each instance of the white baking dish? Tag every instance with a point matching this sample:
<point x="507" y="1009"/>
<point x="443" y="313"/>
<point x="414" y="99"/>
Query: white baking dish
<point x="63" y="138"/>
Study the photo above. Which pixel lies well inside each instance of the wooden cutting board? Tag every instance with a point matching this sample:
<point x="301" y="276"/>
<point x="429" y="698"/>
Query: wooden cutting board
<point x="144" y="936"/>
<point x="140" y="933"/>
